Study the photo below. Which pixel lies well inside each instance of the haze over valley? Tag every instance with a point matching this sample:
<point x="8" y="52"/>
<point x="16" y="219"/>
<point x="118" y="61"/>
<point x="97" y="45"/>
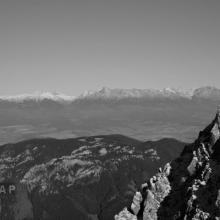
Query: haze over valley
<point x="148" y="114"/>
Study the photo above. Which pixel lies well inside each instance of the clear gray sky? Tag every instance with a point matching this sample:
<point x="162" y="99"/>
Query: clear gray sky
<point x="71" y="46"/>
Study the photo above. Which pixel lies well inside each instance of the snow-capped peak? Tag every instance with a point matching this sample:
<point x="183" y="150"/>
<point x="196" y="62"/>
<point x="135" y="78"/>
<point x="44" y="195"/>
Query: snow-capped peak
<point x="178" y="91"/>
<point x="39" y="96"/>
<point x="134" y="93"/>
<point x="207" y="92"/>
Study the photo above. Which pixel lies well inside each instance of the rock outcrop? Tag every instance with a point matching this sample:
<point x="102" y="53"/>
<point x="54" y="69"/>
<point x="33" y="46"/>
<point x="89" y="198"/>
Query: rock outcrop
<point x="187" y="188"/>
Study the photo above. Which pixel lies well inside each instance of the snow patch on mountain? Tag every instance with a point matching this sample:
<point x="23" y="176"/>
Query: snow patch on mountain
<point x="39" y="96"/>
<point x="103" y="151"/>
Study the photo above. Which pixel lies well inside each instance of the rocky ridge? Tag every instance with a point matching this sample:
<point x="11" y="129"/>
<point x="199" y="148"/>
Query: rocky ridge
<point x="87" y="178"/>
<point x="187" y="188"/>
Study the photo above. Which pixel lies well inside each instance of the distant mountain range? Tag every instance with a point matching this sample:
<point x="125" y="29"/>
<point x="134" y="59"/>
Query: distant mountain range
<point x="207" y="92"/>
<point x="148" y="114"/>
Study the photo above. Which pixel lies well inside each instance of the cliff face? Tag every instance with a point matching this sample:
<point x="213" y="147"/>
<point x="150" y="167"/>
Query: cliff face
<point x="186" y="188"/>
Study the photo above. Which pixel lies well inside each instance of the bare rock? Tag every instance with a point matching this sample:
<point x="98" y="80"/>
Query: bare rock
<point x="125" y="215"/>
<point x="135" y="206"/>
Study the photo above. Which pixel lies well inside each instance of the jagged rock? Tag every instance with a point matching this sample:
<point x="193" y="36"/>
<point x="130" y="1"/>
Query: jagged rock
<point x="189" y="187"/>
<point x="151" y="205"/>
<point x="135" y="206"/>
<point x="192" y="166"/>
<point x="125" y="215"/>
<point x="167" y="169"/>
<point x="144" y="186"/>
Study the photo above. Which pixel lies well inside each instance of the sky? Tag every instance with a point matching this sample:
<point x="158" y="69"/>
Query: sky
<point x="70" y="46"/>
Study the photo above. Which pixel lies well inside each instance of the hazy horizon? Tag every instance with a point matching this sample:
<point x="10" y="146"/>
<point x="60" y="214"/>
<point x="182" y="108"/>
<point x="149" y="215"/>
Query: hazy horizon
<point x="188" y="91"/>
<point x="73" y="46"/>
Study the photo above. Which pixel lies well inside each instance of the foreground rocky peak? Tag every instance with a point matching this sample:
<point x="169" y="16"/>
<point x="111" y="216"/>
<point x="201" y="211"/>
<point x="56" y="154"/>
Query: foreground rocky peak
<point x="186" y="188"/>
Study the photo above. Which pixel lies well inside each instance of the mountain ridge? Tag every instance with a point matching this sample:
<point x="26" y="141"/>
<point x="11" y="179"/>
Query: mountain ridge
<point x="86" y="178"/>
<point x="206" y="92"/>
